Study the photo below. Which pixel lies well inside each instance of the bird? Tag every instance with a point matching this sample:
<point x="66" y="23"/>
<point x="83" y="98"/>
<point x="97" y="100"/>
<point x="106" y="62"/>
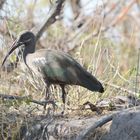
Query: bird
<point x="53" y="66"/>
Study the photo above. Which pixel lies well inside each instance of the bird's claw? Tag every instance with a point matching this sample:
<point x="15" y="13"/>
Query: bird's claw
<point x="46" y="102"/>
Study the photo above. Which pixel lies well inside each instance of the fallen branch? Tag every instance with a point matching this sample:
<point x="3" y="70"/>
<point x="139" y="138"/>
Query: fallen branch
<point x="99" y="123"/>
<point x="85" y="133"/>
<point x="63" y="128"/>
<point x="12" y="97"/>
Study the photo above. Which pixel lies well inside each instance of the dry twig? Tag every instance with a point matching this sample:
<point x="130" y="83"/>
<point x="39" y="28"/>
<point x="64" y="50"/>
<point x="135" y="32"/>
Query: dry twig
<point x="120" y="88"/>
<point x="12" y="97"/>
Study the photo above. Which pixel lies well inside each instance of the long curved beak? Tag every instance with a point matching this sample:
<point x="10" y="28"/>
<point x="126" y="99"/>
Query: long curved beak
<point x="15" y="45"/>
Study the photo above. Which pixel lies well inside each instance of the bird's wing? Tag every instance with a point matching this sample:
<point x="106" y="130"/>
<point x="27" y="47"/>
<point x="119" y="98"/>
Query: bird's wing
<point x="59" y="67"/>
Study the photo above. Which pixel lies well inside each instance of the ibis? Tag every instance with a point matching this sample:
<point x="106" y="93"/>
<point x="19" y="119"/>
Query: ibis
<point x="54" y="67"/>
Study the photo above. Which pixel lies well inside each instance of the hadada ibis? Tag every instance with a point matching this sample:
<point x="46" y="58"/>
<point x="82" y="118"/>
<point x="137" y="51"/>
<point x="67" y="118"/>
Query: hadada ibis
<point x="55" y="67"/>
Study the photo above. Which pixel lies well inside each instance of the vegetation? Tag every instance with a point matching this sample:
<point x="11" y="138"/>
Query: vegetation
<point x="105" y="42"/>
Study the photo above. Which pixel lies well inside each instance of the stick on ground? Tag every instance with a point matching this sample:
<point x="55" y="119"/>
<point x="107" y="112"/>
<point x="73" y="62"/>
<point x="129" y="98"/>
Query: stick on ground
<point x="85" y="133"/>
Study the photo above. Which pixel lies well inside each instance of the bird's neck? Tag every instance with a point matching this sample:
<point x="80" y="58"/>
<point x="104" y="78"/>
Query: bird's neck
<point x="27" y="51"/>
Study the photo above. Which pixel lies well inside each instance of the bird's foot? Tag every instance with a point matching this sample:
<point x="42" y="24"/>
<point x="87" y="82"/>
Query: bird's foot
<point x="48" y="102"/>
<point x="63" y="110"/>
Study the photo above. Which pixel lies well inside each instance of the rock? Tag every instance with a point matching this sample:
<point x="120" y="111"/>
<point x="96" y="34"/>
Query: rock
<point x="125" y="126"/>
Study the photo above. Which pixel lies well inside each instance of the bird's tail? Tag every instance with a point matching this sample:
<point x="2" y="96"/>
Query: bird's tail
<point x="91" y="83"/>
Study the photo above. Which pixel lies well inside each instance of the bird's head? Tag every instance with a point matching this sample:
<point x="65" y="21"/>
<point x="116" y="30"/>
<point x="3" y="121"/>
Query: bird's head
<point x="26" y="40"/>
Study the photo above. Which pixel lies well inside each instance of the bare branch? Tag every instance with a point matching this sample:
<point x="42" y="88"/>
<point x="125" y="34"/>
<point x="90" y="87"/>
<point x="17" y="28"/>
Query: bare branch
<point x="2" y="3"/>
<point x="52" y="18"/>
<point x="123" y="13"/>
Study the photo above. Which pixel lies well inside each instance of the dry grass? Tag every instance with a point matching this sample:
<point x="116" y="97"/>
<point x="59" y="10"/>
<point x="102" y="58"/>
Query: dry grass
<point x="111" y="58"/>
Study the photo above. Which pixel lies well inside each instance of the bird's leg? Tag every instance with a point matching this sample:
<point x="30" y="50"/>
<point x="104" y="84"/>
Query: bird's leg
<point x="47" y="95"/>
<point x="64" y="94"/>
<point x="47" y="98"/>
